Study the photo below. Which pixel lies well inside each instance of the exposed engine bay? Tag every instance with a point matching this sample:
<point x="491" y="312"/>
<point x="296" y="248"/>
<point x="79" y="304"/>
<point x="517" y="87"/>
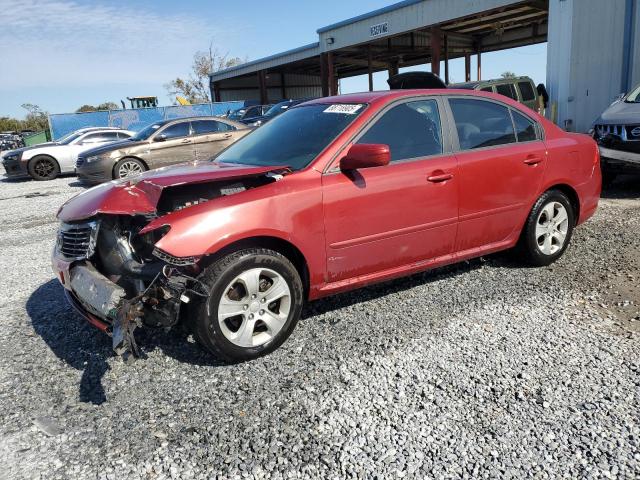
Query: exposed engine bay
<point x="120" y="277"/>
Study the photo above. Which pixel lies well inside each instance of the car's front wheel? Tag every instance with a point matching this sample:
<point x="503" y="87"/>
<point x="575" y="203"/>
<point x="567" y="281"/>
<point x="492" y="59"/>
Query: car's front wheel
<point x="43" y="167"/>
<point x="128" y="167"/>
<point x="548" y="229"/>
<point x="255" y="299"/>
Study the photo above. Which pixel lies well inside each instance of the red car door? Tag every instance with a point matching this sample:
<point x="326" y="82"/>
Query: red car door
<point x="500" y="170"/>
<point x="406" y="212"/>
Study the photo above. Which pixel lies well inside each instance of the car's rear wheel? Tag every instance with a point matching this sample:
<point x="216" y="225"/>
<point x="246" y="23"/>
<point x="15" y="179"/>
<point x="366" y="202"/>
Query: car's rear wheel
<point x="548" y="229"/>
<point x="43" y="167"/>
<point x="128" y="167"/>
<point x="255" y="299"/>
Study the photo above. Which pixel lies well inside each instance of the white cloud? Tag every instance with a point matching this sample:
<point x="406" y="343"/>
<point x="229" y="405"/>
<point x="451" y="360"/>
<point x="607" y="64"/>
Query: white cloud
<point x="69" y="43"/>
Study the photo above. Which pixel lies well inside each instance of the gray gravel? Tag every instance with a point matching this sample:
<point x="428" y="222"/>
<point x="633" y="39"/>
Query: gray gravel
<point x="482" y="370"/>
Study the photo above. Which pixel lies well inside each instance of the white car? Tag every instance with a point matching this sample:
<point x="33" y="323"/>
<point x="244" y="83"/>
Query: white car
<point x="48" y="160"/>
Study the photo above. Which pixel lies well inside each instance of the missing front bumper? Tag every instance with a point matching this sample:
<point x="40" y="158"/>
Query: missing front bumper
<point x="104" y="304"/>
<point x="99" y="295"/>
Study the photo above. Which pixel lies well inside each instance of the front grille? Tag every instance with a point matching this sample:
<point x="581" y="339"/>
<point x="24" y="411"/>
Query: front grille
<point x="627" y="133"/>
<point x="77" y="241"/>
<point x="80" y="161"/>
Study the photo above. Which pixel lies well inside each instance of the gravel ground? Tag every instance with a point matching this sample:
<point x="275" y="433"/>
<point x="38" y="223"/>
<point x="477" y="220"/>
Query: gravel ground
<point x="481" y="370"/>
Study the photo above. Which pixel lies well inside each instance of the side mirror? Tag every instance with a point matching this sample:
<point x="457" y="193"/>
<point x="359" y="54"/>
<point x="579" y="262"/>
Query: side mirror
<point x="160" y="138"/>
<point x="365" y="155"/>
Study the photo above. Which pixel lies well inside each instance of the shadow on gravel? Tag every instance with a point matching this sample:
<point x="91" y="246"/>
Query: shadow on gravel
<point x="26" y="179"/>
<point x="85" y="348"/>
<point x="80" y="183"/>
<point x="70" y="338"/>
<point x="373" y="292"/>
<point x="624" y="187"/>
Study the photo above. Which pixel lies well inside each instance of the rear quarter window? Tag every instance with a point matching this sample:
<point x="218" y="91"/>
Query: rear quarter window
<point x="526" y="130"/>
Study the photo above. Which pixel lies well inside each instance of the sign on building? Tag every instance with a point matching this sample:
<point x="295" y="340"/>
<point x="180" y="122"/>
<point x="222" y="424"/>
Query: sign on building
<point x="379" y="29"/>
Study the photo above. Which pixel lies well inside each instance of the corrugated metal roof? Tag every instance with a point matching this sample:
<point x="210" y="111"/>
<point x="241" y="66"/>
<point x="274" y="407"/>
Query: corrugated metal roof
<point x="310" y="50"/>
<point x="364" y="16"/>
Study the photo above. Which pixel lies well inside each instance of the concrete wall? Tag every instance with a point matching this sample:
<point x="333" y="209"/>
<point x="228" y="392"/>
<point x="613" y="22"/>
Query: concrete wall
<point x="585" y="58"/>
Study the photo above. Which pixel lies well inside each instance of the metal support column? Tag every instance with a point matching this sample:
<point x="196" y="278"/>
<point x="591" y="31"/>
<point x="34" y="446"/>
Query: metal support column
<point x="262" y="81"/>
<point x="467" y="67"/>
<point x="436" y="46"/>
<point x="369" y="68"/>
<point x="446" y="59"/>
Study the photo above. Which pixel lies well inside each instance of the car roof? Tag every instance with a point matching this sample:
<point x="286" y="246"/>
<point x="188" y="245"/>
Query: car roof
<point x="386" y="96"/>
<point x="491" y="81"/>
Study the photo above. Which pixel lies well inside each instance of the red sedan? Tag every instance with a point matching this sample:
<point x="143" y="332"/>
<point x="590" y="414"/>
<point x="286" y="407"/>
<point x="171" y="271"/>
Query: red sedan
<point x="334" y="194"/>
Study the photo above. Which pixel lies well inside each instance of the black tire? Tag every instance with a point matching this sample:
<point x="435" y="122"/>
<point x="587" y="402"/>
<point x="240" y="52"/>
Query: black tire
<point x="127" y="160"/>
<point x="43" y="167"/>
<point x="203" y="315"/>
<point x="529" y="246"/>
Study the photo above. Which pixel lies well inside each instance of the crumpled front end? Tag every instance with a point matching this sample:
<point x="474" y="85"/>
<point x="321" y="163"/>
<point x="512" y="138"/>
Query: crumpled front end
<point x="108" y="262"/>
<point x="112" y="276"/>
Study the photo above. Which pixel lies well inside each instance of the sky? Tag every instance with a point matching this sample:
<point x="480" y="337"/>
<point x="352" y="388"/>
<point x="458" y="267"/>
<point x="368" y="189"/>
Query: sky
<point x="61" y="54"/>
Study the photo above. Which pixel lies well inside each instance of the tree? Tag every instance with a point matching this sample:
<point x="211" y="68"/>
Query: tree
<point x="36" y="118"/>
<point x="195" y="88"/>
<point x="508" y="74"/>
<point x="102" y="106"/>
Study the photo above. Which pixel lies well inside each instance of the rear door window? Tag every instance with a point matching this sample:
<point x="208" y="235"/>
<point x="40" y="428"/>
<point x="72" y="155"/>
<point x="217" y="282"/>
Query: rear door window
<point x="203" y="127"/>
<point x="177" y="130"/>
<point x="411" y="130"/>
<point x="525" y="129"/>
<point x="508" y="90"/>
<point x="486" y="89"/>
<point x="526" y="91"/>
<point x="481" y="123"/>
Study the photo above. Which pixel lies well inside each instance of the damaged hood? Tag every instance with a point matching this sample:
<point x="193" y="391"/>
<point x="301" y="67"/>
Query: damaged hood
<point x="140" y="195"/>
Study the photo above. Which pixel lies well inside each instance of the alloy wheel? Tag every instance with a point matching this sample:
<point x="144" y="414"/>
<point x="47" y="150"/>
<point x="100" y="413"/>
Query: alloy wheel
<point x="551" y="228"/>
<point x="128" y="169"/>
<point x="44" y="168"/>
<point x="254" y="307"/>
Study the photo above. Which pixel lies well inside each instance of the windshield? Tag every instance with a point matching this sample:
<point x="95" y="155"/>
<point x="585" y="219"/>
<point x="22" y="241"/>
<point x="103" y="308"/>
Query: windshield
<point x="237" y="114"/>
<point x="294" y="139"/>
<point x="70" y="138"/>
<point x="146" y="132"/>
<point x="634" y="96"/>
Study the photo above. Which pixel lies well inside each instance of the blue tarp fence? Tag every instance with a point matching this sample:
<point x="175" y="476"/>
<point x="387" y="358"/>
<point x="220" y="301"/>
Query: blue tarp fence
<point x="135" y="118"/>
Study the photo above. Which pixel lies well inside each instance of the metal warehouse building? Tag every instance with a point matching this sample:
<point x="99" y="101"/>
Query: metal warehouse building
<point x="593" y="51"/>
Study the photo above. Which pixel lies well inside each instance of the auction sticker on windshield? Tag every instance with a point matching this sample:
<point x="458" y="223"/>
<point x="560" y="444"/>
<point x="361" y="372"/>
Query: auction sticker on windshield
<point x="347" y="108"/>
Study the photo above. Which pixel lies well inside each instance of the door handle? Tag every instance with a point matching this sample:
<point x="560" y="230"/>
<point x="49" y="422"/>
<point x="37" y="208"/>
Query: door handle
<point x="438" y="177"/>
<point x="533" y="160"/>
<point x="227" y="135"/>
<point x="186" y="140"/>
